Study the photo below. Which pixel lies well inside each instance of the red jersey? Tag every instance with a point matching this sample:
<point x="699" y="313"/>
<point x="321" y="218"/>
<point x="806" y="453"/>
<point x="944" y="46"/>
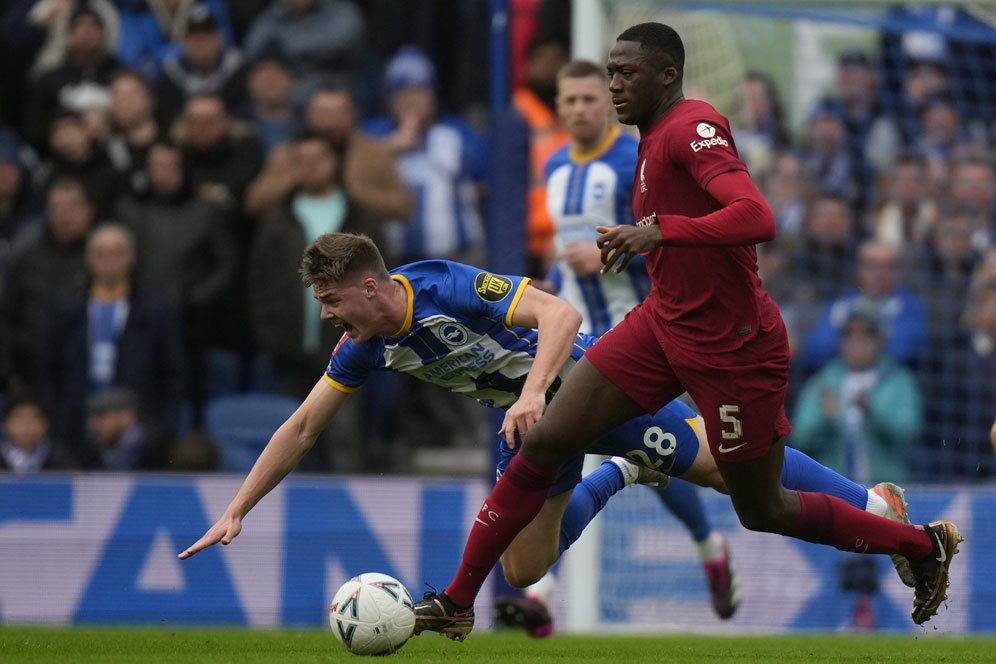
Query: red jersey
<point x="706" y="292"/>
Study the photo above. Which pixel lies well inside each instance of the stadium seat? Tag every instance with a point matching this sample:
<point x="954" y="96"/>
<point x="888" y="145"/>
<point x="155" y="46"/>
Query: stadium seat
<point x="243" y="423"/>
<point x="223" y="372"/>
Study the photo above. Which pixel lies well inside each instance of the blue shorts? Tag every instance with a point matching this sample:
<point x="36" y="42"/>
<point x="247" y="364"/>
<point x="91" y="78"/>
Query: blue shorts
<point x="664" y="441"/>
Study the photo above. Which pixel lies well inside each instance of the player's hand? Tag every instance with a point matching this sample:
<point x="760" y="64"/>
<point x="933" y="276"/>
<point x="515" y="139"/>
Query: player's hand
<point x="624" y="241"/>
<point x="582" y="257"/>
<point x="224" y="530"/>
<point x="523" y="414"/>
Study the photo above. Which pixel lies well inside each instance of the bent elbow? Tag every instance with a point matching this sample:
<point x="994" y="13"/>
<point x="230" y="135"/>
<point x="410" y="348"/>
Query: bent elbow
<point x="770" y="232"/>
<point x="574" y="319"/>
<point x="570" y="316"/>
<point x="766" y="224"/>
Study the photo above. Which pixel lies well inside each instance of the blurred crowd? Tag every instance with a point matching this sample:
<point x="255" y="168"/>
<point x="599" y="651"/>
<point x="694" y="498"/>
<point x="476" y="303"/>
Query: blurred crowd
<point x="163" y="163"/>
<point x="885" y="257"/>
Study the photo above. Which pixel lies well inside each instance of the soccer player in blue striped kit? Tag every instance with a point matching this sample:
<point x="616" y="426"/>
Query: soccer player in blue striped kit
<point x="503" y="342"/>
<point x="589" y="183"/>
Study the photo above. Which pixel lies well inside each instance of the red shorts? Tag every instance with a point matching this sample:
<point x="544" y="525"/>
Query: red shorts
<point x="740" y="393"/>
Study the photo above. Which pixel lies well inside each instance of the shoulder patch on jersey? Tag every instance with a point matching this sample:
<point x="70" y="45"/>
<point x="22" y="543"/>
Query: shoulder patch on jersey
<point x="705" y="130"/>
<point x="709" y="138"/>
<point x="491" y="287"/>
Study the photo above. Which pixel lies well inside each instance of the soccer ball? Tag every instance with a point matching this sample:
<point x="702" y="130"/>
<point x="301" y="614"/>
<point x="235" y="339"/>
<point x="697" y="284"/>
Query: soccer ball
<point x="372" y="614"/>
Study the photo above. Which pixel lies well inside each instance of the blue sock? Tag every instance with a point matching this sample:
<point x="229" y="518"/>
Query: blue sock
<point x="590" y="496"/>
<point x="802" y="473"/>
<point x="682" y="498"/>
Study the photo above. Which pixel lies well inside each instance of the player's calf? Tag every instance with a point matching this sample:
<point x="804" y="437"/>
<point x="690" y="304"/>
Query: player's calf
<point x="766" y="516"/>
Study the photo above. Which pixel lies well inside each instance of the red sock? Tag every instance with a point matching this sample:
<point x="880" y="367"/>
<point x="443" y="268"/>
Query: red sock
<point x="514" y="501"/>
<point x="828" y="520"/>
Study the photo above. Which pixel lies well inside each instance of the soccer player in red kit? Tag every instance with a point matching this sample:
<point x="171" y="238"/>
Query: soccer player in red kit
<point x="707" y="327"/>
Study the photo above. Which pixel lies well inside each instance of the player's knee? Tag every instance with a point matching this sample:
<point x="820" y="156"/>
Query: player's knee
<point x="542" y="449"/>
<point x="764" y="517"/>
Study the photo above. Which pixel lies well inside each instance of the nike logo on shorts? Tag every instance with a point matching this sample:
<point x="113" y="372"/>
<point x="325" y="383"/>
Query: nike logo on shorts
<point x="727" y="450"/>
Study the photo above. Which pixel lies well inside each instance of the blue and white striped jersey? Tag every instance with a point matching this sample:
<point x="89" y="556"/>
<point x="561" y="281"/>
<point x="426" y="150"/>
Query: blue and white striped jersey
<point x="584" y="191"/>
<point x="458" y="335"/>
<point x="442" y="175"/>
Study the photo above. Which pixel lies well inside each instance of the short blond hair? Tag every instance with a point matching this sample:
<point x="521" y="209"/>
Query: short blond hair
<point x="580" y="69"/>
<point x="334" y="256"/>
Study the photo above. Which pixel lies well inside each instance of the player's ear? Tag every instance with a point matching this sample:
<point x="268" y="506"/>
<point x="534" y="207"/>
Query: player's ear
<point x="667" y="72"/>
<point x="668" y="75"/>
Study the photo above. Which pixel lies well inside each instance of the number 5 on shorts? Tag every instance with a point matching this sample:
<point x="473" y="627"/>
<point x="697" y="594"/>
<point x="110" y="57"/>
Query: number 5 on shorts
<point x="728" y="414"/>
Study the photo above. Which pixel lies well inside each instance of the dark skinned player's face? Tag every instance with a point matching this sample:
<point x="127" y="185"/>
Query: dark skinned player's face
<point x="636" y="82"/>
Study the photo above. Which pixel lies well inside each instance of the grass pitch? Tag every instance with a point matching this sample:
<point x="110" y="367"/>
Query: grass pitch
<point x="190" y="646"/>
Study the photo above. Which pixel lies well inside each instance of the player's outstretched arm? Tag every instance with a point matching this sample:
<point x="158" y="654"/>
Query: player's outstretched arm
<point x="289" y="443"/>
<point x="557" y="323"/>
